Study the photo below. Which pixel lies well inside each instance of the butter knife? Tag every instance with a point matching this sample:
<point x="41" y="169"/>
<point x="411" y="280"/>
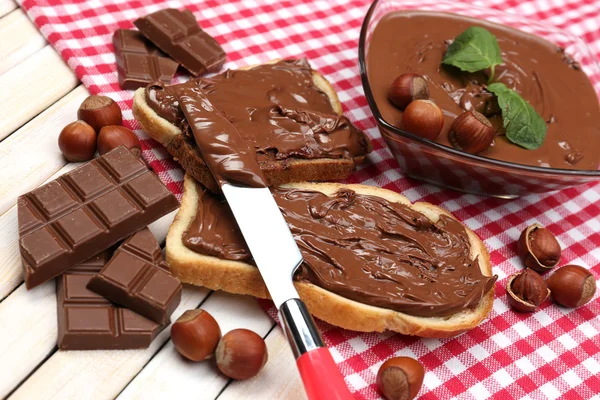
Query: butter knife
<point x="266" y="233"/>
<point x="277" y="256"/>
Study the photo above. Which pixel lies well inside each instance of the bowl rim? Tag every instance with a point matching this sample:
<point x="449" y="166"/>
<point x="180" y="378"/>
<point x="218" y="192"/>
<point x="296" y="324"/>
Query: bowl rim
<point x="434" y="145"/>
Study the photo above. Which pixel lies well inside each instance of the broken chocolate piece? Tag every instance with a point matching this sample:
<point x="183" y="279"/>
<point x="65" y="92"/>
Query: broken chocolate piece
<point x="136" y="277"/>
<point x="178" y="34"/>
<point x="88" y="321"/>
<point x="139" y="62"/>
<point x="85" y="211"/>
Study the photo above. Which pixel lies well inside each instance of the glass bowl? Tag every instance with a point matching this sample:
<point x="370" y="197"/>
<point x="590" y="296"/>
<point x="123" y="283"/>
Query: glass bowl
<point x="444" y="166"/>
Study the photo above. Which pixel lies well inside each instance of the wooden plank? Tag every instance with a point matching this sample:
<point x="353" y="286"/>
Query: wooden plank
<point x="278" y="380"/>
<point x="99" y="374"/>
<point x="28" y="325"/>
<point x="11" y="272"/>
<point x="27" y="333"/>
<point x="168" y="375"/>
<point x="31" y="154"/>
<point x="25" y="39"/>
<point x="7" y="6"/>
<point x="32" y="86"/>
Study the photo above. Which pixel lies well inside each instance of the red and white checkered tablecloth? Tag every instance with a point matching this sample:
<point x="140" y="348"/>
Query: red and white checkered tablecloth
<point x="553" y="353"/>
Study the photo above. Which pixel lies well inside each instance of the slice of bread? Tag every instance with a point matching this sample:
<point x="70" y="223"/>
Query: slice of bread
<point x="242" y="278"/>
<point x="277" y="172"/>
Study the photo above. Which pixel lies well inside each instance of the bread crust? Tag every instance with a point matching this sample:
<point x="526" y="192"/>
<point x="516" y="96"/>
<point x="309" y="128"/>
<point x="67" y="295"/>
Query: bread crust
<point x="241" y="278"/>
<point x="277" y="172"/>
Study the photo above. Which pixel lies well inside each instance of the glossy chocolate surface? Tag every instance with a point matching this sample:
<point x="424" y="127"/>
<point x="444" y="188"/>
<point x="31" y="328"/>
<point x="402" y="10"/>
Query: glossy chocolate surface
<point x="85" y="211"/>
<point x="88" y="321"/>
<point x="223" y="149"/>
<point x="416" y="41"/>
<point x="276" y="108"/>
<point x="139" y="62"/>
<point x="367" y="249"/>
<point x="178" y="34"/>
<point x="137" y="277"/>
<point x="214" y="231"/>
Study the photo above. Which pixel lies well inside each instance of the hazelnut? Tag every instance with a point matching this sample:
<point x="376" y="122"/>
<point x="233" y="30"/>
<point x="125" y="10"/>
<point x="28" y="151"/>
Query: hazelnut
<point x="113" y="136"/>
<point x="538" y="248"/>
<point x="400" y="378"/>
<point x="77" y="141"/>
<point x="526" y="290"/>
<point x="241" y="354"/>
<point x="195" y="335"/>
<point x="100" y="111"/>
<point x="406" y="88"/>
<point x="572" y="286"/>
<point x="471" y="132"/>
<point x="423" y="118"/>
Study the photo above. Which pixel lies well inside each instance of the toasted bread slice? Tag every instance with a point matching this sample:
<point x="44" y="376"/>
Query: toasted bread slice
<point x="277" y="172"/>
<point x="242" y="278"/>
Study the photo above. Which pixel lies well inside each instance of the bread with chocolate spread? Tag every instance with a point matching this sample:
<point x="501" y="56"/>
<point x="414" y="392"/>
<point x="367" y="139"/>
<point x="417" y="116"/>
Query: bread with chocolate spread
<point x="376" y="263"/>
<point x="288" y="113"/>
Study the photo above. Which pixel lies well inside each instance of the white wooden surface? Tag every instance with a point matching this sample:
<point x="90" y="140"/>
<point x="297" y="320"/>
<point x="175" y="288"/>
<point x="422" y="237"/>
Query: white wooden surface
<point x="40" y="95"/>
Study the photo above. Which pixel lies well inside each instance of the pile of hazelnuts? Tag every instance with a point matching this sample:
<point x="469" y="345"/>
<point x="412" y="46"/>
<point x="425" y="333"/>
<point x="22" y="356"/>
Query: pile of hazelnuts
<point x="570" y="286"/>
<point x="470" y="132"/>
<point x="239" y="354"/>
<point x="98" y="126"/>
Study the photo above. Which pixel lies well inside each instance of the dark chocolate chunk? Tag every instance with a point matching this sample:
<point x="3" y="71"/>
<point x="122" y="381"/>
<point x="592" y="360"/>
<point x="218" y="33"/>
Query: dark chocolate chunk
<point x="85" y="211"/>
<point x="88" y="321"/>
<point x="178" y="34"/>
<point x="136" y="277"/>
<point x="139" y="62"/>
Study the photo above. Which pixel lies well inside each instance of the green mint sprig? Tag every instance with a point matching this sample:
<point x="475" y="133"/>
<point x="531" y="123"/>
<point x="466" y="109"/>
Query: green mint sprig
<point x="524" y="126"/>
<point x="474" y="50"/>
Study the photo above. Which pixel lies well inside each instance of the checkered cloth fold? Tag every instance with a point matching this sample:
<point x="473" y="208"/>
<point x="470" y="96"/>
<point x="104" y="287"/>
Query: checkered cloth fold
<point x="553" y="353"/>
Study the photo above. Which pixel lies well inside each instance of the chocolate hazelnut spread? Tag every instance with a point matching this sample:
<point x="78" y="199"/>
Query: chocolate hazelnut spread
<point x="555" y="85"/>
<point x="362" y="247"/>
<point x="276" y="108"/>
<point x="223" y="150"/>
<point x="214" y="231"/>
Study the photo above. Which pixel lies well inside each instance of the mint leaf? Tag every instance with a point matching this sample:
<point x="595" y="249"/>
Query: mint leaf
<point x="524" y="126"/>
<point x="473" y="50"/>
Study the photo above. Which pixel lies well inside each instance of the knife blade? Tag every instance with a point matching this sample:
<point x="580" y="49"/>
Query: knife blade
<point x="268" y="237"/>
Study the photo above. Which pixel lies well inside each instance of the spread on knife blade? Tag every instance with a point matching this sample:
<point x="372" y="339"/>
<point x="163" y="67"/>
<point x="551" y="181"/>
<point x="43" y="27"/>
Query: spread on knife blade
<point x="541" y="72"/>
<point x="276" y="108"/>
<point x="364" y="248"/>
<point x="220" y="143"/>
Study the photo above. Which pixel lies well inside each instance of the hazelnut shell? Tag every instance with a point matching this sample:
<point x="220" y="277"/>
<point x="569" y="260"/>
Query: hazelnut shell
<point x="400" y="378"/>
<point x="195" y="335"/>
<point x="471" y="132"/>
<point x="530" y="292"/>
<point x="406" y="88"/>
<point x="100" y="111"/>
<point x="241" y="354"/>
<point x="423" y="118"/>
<point x="77" y="141"/>
<point x="539" y="249"/>
<point x="572" y="286"/>
<point x="113" y="136"/>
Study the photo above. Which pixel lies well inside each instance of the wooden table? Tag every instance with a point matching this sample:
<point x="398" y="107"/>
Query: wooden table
<point x="39" y="95"/>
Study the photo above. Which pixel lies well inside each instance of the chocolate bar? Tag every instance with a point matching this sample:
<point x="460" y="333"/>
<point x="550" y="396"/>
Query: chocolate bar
<point x="136" y="278"/>
<point x="139" y="62"/>
<point x="178" y="34"/>
<point x="88" y="321"/>
<point x="83" y="212"/>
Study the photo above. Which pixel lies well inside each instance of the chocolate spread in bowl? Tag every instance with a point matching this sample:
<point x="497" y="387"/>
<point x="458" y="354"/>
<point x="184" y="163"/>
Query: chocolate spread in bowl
<point x="361" y="247"/>
<point x="416" y="41"/>
<point x="276" y="108"/>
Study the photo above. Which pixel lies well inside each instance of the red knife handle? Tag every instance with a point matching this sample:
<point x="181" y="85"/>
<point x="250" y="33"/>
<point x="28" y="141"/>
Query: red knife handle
<point x="320" y="375"/>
